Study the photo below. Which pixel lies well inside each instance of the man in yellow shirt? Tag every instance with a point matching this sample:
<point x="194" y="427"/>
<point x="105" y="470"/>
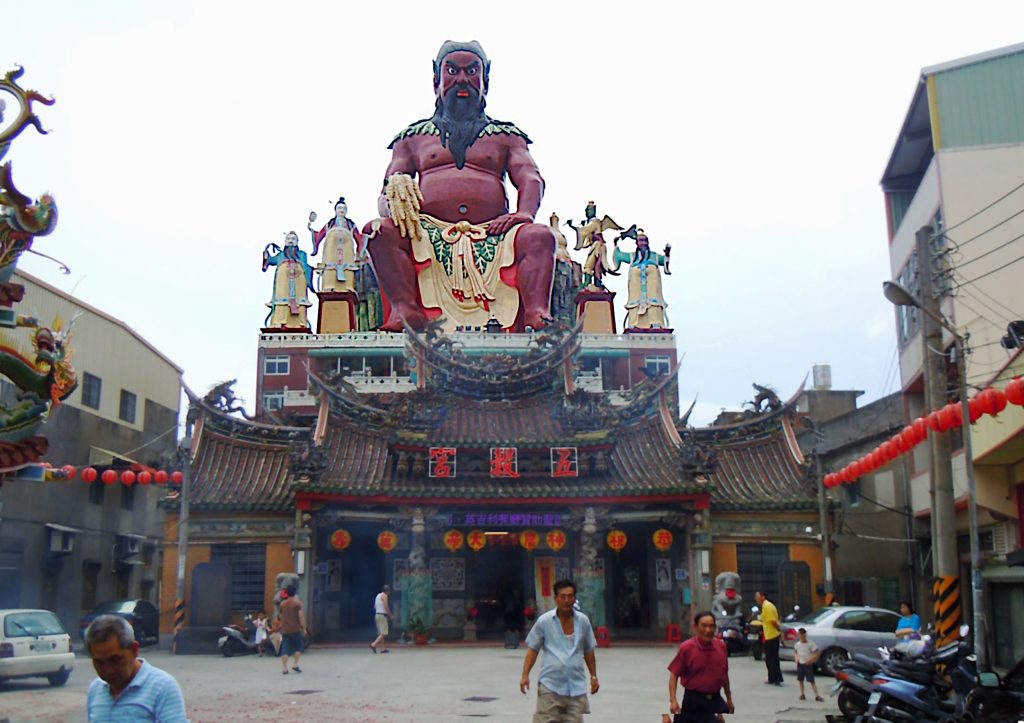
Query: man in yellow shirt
<point x="772" y="636"/>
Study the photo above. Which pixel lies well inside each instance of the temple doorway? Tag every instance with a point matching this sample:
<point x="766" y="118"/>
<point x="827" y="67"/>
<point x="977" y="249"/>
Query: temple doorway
<point x="498" y="588"/>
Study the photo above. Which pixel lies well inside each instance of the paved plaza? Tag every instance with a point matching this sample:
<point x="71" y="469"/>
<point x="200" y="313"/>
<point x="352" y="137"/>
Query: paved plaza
<point x="434" y="684"/>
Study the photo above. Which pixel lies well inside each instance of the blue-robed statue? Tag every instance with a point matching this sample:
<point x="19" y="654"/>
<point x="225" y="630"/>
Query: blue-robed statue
<point x="293" y="278"/>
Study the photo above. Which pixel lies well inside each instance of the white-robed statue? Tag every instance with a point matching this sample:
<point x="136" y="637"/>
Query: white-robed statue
<point x="646" y="302"/>
<point x="340" y="238"/>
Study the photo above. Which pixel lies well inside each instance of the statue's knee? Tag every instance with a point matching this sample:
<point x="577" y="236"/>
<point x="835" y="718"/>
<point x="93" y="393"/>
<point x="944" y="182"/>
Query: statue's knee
<point x="537" y="239"/>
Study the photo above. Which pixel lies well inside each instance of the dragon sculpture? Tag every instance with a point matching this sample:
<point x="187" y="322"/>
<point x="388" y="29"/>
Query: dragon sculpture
<point x="44" y="377"/>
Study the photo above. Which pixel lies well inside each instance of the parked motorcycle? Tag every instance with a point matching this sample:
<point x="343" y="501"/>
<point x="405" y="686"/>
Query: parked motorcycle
<point x="732" y="632"/>
<point x="754" y="632"/>
<point x="238" y="640"/>
<point x="929" y="689"/>
<point x="995" y="700"/>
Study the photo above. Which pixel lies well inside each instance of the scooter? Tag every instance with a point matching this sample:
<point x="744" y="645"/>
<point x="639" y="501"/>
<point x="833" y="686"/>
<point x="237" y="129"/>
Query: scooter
<point x="731" y="631"/>
<point x="754" y="631"/>
<point x="238" y="640"/>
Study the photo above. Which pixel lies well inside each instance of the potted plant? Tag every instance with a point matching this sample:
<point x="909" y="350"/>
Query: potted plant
<point x="419" y="630"/>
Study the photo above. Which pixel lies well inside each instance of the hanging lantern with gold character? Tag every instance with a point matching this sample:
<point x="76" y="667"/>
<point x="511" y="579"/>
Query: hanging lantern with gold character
<point x="340" y="539"/>
<point x="476" y="540"/>
<point x="387" y="540"/>
<point x="555" y="540"/>
<point x="453" y="540"/>
<point x="662" y="539"/>
<point x="616" y="540"/>
<point x="529" y="539"/>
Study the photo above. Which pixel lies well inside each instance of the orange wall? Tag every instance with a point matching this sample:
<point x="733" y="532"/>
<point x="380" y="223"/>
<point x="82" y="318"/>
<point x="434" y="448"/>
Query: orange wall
<point x="723" y="558"/>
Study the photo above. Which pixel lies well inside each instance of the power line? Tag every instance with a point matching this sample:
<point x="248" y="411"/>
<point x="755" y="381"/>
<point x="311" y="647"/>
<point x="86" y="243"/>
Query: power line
<point x="978" y="213"/>
<point x="1009" y="218"/>
<point x="989" y="273"/>
<point x="1002" y="317"/>
<point x="1012" y="314"/>
<point x="991" y="251"/>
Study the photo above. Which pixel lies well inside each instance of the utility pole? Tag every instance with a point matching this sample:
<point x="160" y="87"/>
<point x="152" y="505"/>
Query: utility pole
<point x="185" y="458"/>
<point x="945" y="560"/>
<point x="823" y="522"/>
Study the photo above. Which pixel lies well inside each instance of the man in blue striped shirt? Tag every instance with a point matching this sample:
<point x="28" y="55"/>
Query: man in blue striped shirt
<point x="128" y="688"/>
<point x="567" y="638"/>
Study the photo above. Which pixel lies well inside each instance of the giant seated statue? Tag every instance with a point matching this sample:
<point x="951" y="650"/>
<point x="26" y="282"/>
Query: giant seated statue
<point x="447" y="244"/>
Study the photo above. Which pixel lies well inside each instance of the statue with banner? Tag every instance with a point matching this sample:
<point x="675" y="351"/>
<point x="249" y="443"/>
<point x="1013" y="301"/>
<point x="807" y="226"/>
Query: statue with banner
<point x="293" y="276"/>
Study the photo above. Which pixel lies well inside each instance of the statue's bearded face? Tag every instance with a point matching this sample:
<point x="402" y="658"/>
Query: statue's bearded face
<point x="460" y="102"/>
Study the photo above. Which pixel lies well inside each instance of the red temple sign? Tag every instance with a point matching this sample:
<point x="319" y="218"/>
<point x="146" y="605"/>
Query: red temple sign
<point x="564" y="462"/>
<point x="504" y="462"/>
<point x="442" y="461"/>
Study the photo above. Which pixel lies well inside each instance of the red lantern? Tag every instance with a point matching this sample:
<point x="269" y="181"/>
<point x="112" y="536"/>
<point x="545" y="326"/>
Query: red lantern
<point x="128" y="477"/>
<point x="555" y="539"/>
<point x="909" y="437"/>
<point x="145" y="477"/>
<point x="529" y="539"/>
<point x="69" y="471"/>
<point x="828" y="480"/>
<point x="1015" y="391"/>
<point x="340" y="539"/>
<point x="992" y="401"/>
<point x="89" y="475"/>
<point x="177" y="477"/>
<point x="662" y="539"/>
<point x="109" y="477"/>
<point x="160" y="477"/>
<point x="920" y="426"/>
<point x="948" y="416"/>
<point x="975" y="408"/>
<point x="387" y="540"/>
<point x="898" y="444"/>
<point x="476" y="540"/>
<point x="934" y="423"/>
<point x="616" y="540"/>
<point x="453" y="540"/>
<point x="888" y="451"/>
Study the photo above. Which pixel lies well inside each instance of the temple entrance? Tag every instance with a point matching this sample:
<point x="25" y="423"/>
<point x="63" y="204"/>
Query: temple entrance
<point x="630" y="592"/>
<point x="346" y="582"/>
<point x="498" y="588"/>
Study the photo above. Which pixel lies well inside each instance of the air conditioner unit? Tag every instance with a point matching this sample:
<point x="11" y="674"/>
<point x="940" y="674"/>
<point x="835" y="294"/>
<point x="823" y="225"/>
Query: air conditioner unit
<point x="131" y="546"/>
<point x="61" y="542"/>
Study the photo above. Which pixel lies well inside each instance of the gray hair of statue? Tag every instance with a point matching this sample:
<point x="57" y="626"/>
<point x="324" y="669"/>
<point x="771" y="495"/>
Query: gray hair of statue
<point x="452" y="46"/>
<point x="106" y="626"/>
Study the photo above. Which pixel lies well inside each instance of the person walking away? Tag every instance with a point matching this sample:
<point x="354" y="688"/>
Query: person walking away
<point x="806" y="654"/>
<point x="567" y="639"/>
<point x="128" y="688"/>
<point x="772" y="637"/>
<point x="909" y="626"/>
<point x="701" y="665"/>
<point x="293" y="630"/>
<point x="381" y="615"/>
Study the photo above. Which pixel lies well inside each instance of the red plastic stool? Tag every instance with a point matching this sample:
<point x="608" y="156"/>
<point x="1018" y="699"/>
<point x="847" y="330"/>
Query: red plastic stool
<point x="604" y="638"/>
<point x="673" y="634"/>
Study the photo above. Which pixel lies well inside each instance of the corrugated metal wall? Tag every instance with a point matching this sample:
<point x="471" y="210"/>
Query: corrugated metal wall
<point x="983" y="103"/>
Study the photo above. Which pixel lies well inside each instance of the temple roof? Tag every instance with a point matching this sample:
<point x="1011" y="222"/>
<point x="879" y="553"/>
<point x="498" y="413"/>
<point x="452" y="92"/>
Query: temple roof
<point x="759" y="464"/>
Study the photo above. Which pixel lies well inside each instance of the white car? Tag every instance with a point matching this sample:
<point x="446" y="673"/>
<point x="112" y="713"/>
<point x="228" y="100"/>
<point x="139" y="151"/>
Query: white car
<point x="34" y="644"/>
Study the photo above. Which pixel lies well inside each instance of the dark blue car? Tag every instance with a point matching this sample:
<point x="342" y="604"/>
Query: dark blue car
<point x="142" y="614"/>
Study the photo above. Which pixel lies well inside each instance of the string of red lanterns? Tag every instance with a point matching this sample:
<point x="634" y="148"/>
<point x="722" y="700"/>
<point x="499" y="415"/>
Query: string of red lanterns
<point x="110" y="476"/>
<point x="988" y="401"/>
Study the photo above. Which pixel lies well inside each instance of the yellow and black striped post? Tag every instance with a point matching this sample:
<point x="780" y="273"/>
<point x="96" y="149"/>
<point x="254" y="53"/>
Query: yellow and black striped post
<point x="946" y="594"/>
<point x="179" y="621"/>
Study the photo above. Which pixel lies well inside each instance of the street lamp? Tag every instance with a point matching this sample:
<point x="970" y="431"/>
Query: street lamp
<point x="899" y="296"/>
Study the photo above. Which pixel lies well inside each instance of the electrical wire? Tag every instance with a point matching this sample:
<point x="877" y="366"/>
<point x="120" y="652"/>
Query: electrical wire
<point x="990" y="251"/>
<point x="978" y="213"/>
<point x="975" y="237"/>
<point x="989" y="273"/>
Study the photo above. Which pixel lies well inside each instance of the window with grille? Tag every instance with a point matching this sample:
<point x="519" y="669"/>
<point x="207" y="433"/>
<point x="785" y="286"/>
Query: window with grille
<point x="276" y="365"/>
<point x="273" y="401"/>
<point x="759" y="569"/>
<point x="92" y="386"/>
<point x="126" y="410"/>
<point x="248" y="574"/>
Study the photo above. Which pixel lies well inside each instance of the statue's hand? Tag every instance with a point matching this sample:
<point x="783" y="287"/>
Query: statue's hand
<point x="404" y="199"/>
<point x="503" y="223"/>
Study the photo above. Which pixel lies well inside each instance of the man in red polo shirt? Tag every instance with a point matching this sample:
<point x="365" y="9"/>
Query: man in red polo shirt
<point x="702" y="666"/>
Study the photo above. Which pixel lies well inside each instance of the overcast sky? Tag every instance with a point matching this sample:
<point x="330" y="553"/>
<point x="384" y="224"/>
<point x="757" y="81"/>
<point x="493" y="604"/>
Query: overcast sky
<point x="750" y="136"/>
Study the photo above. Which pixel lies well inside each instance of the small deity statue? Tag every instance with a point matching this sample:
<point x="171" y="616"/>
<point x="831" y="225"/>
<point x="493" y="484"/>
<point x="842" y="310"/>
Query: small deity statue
<point x="340" y="237"/>
<point x="645" y="303"/>
<point x="727" y="602"/>
<point x="292" y="278"/>
<point x="562" y="248"/>
<point x="448" y="244"/>
<point x="590" y="236"/>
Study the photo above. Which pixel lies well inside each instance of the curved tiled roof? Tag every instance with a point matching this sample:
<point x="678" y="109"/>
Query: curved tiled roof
<point x="760" y="466"/>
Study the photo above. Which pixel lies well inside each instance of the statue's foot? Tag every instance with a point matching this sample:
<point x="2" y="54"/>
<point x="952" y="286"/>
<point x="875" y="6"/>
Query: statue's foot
<point x="400" y="316"/>
<point x="537" y="318"/>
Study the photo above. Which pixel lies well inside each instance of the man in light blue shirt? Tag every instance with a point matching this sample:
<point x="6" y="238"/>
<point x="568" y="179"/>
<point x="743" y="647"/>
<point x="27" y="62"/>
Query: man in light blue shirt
<point x="567" y="638"/>
<point x="128" y="688"/>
